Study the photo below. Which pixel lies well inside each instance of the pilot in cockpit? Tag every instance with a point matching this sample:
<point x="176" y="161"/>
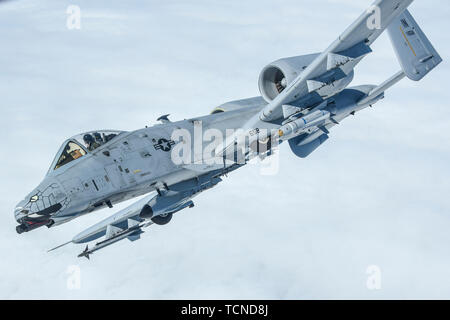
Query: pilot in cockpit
<point x="90" y="142"/>
<point x="98" y="138"/>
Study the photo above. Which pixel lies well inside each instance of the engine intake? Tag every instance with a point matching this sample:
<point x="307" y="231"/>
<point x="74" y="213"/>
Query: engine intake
<point x="275" y="77"/>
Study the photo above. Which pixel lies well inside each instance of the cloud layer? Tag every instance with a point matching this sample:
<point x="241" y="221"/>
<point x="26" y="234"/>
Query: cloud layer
<point x="375" y="194"/>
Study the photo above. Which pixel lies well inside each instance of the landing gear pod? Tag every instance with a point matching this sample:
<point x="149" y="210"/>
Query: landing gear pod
<point x="162" y="219"/>
<point x="302" y="151"/>
<point x="146" y="212"/>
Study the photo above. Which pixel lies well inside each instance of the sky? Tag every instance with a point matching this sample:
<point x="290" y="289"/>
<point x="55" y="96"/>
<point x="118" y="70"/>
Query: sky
<point x="375" y="196"/>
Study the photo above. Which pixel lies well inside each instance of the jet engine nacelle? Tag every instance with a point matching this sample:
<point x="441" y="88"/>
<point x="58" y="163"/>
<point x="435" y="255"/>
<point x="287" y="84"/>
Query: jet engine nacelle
<point x="275" y="77"/>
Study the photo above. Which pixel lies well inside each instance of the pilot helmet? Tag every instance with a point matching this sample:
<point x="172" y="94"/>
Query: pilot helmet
<point x="88" y="139"/>
<point x="98" y="137"/>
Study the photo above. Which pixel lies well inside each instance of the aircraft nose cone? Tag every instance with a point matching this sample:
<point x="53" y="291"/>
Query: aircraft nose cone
<point x="20" y="212"/>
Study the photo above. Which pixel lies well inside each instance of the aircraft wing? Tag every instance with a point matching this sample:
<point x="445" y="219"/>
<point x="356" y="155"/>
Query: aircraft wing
<point x="129" y="223"/>
<point x="341" y="56"/>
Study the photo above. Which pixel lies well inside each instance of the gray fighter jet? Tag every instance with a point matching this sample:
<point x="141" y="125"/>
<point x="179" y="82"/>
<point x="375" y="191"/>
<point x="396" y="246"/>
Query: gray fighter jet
<point x="302" y="99"/>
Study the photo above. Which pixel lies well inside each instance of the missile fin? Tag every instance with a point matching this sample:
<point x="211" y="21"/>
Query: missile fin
<point x="132" y="222"/>
<point x="324" y="130"/>
<point x="111" y="231"/>
<point x="289" y="110"/>
<point x="135" y="236"/>
<point x="85" y="253"/>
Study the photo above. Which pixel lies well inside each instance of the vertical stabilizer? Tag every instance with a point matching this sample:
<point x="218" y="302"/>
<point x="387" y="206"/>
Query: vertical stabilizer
<point x="415" y="52"/>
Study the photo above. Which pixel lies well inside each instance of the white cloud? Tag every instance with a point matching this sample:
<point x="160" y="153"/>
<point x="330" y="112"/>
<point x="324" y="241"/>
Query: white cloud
<point x="375" y="193"/>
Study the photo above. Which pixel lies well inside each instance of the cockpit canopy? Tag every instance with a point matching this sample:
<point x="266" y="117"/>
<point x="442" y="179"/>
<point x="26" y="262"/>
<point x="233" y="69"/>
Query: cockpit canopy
<point x="92" y="140"/>
<point x="80" y="145"/>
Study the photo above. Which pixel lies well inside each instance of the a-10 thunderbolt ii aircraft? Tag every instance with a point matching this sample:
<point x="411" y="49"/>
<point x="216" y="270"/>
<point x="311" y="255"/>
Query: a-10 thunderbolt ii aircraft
<point x="302" y="99"/>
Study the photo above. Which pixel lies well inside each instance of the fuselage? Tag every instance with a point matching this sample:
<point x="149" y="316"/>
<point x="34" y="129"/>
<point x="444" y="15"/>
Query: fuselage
<point x="130" y="165"/>
<point x="139" y="162"/>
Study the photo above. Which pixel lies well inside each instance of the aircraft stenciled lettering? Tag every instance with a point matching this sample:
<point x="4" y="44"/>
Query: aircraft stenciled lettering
<point x="302" y="99"/>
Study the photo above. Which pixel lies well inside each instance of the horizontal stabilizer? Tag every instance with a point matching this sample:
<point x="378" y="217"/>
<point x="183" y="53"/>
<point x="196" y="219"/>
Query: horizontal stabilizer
<point x="415" y="52"/>
<point x="378" y="91"/>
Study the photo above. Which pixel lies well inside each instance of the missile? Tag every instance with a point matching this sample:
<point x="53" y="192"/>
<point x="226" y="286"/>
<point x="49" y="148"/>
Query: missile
<point x="296" y="127"/>
<point x="114" y="234"/>
<point x="132" y="234"/>
<point x="125" y="219"/>
<point x="129" y="222"/>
